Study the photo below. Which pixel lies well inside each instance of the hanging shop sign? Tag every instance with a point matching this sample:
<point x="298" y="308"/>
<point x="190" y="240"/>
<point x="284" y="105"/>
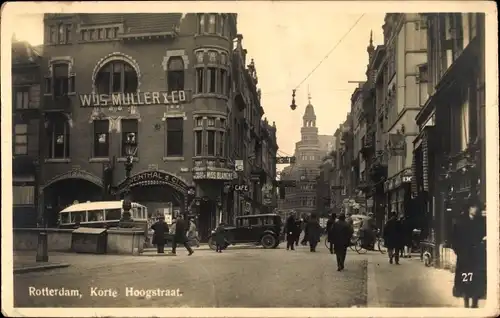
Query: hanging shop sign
<point x="134" y="99"/>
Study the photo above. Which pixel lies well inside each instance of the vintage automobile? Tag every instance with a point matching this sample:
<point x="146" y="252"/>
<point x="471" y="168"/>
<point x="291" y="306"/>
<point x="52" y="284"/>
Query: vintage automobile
<point x="261" y="229"/>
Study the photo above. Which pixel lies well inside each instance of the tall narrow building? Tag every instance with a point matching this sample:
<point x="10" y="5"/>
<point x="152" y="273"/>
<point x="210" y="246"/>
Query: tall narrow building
<point x="309" y="152"/>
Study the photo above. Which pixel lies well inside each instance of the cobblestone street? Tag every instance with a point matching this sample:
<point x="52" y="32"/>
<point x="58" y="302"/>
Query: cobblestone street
<point x="235" y="278"/>
<point x="240" y="277"/>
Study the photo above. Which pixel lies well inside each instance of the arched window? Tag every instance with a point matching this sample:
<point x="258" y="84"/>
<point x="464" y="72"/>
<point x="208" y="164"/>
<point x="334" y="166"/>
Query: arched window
<point x="175" y="74"/>
<point x="116" y="77"/>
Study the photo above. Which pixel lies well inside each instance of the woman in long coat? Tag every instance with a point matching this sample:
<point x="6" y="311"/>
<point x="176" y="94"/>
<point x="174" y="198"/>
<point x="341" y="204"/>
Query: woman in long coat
<point x="220" y="238"/>
<point x="469" y="244"/>
<point x="160" y="228"/>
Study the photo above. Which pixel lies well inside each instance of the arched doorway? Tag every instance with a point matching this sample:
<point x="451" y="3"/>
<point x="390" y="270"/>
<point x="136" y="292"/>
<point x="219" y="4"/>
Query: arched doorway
<point x="63" y="193"/>
<point x="160" y="191"/>
<point x="159" y="199"/>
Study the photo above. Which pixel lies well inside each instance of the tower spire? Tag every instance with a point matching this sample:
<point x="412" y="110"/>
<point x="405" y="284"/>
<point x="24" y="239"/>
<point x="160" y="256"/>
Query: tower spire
<point x="371" y="37"/>
<point x="308" y="96"/>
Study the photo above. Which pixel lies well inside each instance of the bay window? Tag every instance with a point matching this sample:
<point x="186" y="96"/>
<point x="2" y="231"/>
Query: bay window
<point x="198" y="142"/>
<point x="211" y="142"/>
<point x="212" y="79"/>
<point x="212" y="23"/>
<point x="200" y="76"/>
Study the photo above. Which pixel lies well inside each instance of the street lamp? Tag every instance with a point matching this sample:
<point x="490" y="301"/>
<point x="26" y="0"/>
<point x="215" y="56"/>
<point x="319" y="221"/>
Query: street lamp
<point x="292" y="105"/>
<point x="42" y="250"/>
<point x="130" y="151"/>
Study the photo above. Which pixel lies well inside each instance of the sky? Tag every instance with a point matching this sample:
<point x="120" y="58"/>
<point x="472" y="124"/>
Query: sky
<point x="287" y="42"/>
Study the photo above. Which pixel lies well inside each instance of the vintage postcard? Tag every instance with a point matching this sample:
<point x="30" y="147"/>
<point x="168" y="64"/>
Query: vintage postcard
<point x="250" y="158"/>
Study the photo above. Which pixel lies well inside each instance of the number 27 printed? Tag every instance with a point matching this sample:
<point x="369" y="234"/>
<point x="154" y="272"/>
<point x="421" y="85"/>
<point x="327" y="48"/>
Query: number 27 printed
<point x="466" y="277"/>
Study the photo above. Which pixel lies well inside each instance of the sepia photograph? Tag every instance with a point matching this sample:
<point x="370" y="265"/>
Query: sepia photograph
<point x="271" y="158"/>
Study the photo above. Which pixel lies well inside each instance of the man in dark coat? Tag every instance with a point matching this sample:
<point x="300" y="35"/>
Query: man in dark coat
<point x="160" y="228"/>
<point x="305" y="222"/>
<point x="220" y="238"/>
<point x="329" y="230"/>
<point x="298" y="228"/>
<point x="291" y="232"/>
<point x="393" y="237"/>
<point x="313" y="232"/>
<point x="469" y="244"/>
<point x="180" y="236"/>
<point x="341" y="237"/>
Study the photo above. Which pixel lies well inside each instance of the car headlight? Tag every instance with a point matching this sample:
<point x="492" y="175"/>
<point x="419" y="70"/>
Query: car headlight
<point x="212" y="232"/>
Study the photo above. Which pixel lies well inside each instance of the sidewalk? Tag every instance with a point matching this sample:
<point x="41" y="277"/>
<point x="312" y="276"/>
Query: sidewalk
<point x="410" y="284"/>
<point x="25" y="262"/>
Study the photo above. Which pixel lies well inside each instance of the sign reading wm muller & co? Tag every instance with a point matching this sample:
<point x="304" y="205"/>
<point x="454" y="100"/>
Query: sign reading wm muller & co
<point x="134" y="99"/>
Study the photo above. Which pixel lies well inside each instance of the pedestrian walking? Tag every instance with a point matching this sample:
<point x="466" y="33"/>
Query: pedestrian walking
<point x="367" y="232"/>
<point x="341" y="237"/>
<point x="329" y="231"/>
<point x="469" y="244"/>
<point x="392" y="238"/>
<point x="180" y="236"/>
<point x="313" y="232"/>
<point x="220" y="238"/>
<point x="291" y="232"/>
<point x="160" y="228"/>
<point x="406" y="236"/>
<point x="193" y="233"/>
<point x="305" y="222"/>
<point x="298" y="229"/>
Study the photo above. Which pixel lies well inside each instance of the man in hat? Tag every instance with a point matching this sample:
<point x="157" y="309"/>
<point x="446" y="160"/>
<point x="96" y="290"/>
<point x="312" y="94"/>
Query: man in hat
<point x="367" y="231"/>
<point x="341" y="239"/>
<point x="160" y="228"/>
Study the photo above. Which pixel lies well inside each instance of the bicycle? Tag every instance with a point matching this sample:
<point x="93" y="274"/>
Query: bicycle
<point x="351" y="246"/>
<point x="379" y="245"/>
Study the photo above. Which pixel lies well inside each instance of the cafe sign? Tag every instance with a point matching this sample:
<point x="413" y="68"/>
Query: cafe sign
<point x="133" y="99"/>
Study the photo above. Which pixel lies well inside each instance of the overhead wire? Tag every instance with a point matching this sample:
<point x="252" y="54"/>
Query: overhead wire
<point x="331" y="51"/>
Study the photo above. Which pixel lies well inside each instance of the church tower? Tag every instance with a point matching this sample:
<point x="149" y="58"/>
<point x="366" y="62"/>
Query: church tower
<point x="307" y="148"/>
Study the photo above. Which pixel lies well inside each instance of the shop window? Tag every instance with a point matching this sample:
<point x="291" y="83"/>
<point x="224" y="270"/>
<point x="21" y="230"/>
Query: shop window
<point x="175" y="74"/>
<point x="175" y="136"/>
<point x="23" y="195"/>
<point x="116" y="77"/>
<point x="129" y="126"/>
<point x="59" y="134"/>
<point x="101" y="138"/>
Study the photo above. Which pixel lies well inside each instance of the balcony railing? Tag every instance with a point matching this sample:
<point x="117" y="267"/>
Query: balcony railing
<point x="57" y="104"/>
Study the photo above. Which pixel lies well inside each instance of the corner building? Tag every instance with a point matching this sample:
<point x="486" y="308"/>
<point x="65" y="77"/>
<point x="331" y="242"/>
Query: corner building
<point x="164" y="77"/>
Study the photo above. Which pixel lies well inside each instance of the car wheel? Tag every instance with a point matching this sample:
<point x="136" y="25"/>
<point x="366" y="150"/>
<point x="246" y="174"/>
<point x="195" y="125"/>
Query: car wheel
<point x="211" y="243"/>
<point x="268" y="241"/>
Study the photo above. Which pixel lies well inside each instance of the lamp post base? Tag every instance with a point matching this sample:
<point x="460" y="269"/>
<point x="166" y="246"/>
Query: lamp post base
<point x="42" y="254"/>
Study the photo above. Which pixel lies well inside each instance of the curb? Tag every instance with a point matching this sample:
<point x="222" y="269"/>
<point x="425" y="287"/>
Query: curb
<point x="39" y="268"/>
